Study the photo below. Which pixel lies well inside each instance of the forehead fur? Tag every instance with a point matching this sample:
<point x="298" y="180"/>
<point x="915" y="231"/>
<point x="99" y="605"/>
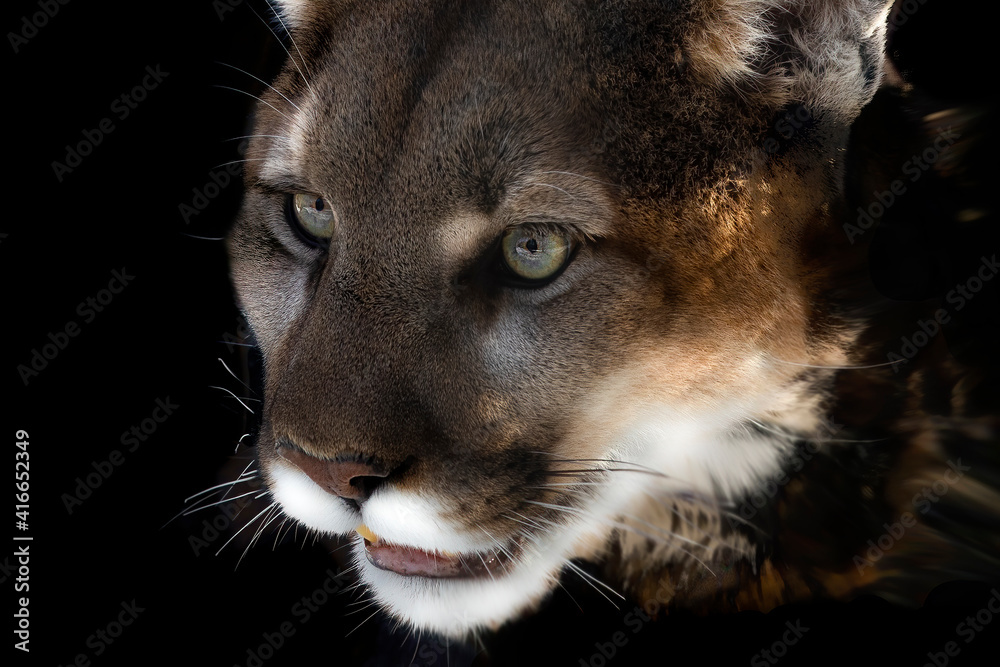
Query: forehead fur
<point x="735" y="63"/>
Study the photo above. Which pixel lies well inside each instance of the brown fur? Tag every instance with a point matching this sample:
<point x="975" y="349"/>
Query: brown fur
<point x="640" y="128"/>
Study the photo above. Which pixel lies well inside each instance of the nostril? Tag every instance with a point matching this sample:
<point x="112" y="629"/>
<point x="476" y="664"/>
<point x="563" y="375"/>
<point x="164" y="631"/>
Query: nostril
<point x="352" y="479"/>
<point x="364" y="484"/>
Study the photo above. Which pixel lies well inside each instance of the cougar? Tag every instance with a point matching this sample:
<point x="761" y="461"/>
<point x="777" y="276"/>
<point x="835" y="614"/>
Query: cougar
<point x="538" y="283"/>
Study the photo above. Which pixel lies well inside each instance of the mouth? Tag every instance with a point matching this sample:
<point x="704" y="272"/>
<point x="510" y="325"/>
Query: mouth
<point x="413" y="562"/>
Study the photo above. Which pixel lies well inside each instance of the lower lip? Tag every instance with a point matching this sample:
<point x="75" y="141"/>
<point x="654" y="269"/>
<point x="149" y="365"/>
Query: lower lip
<point x="411" y="562"/>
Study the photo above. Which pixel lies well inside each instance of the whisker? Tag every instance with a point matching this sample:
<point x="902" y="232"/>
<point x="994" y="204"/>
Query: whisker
<point x="291" y="39"/>
<point x="261" y="81"/>
<point x="204" y="238"/>
<point x="274" y="513"/>
<point x="240" y="442"/>
<point x="793" y="436"/>
<point x="264" y="102"/>
<point x="236" y="397"/>
<point x="259" y="136"/>
<point x="245" y="526"/>
<point x="670" y="536"/>
<point x="547" y="185"/>
<point x="582" y="471"/>
<point x="595" y="582"/>
<point x="192" y="510"/>
<point x="277" y="533"/>
<point x="605" y="460"/>
<point x="240" y="161"/>
<point x="241" y="478"/>
<point x="565" y="484"/>
<point x="362" y="623"/>
<point x="234" y="375"/>
<point x="843" y="368"/>
<point x="419" y="637"/>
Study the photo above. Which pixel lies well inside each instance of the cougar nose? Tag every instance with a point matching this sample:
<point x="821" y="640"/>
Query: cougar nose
<point x="352" y="479"/>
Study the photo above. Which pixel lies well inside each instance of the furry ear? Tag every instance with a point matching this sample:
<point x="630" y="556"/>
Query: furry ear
<point x="825" y="54"/>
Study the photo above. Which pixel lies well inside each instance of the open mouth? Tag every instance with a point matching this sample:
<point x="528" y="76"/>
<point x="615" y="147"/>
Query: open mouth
<point x="413" y="562"/>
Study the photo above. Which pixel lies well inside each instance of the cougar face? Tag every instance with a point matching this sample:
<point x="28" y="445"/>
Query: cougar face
<point x="516" y="269"/>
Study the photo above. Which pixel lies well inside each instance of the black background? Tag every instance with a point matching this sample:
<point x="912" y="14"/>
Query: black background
<point x="162" y="338"/>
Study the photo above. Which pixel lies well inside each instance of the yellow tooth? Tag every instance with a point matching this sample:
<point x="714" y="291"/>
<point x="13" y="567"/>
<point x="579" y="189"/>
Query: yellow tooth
<point x="366" y="533"/>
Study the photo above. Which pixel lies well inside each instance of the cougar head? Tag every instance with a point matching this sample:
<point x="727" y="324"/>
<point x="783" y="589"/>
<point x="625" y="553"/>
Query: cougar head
<point x="515" y="268"/>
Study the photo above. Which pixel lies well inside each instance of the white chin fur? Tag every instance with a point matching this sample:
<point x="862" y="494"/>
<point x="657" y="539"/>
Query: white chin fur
<point x="450" y="607"/>
<point x="458" y="607"/>
<point x="692" y="454"/>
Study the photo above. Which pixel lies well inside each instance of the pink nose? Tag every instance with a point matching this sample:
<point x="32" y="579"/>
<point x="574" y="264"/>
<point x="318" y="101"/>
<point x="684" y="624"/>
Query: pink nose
<point x="351" y="479"/>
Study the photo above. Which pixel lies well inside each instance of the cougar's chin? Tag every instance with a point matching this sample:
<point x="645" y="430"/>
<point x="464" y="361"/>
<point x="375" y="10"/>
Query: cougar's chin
<point x="434" y="574"/>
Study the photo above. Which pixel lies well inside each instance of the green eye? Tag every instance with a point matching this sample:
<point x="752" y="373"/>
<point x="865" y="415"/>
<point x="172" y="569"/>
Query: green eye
<point x="535" y="254"/>
<point x="314" y="216"/>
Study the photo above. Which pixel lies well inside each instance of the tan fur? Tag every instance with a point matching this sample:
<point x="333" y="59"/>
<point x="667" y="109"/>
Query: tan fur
<point x="696" y="298"/>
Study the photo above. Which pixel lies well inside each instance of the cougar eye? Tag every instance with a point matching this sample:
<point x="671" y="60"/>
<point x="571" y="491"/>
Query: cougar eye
<point x="313" y="217"/>
<point x="535" y="254"/>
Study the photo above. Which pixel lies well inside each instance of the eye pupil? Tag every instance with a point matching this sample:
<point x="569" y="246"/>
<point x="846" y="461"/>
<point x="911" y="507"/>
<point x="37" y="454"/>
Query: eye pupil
<point x="312" y="217"/>
<point x="535" y="255"/>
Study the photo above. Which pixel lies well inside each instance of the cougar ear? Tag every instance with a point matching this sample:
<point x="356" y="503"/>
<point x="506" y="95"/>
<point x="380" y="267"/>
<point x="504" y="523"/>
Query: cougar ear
<point x="825" y="54"/>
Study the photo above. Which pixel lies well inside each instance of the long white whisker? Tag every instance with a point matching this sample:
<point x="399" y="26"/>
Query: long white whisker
<point x="245" y="526"/>
<point x="362" y="623"/>
<point x="264" y="102"/>
<point x="670" y="536"/>
<point x="271" y="516"/>
<point x="793" y="436"/>
<point x="236" y="397"/>
<point x="242" y="478"/>
<point x="547" y="185"/>
<point x="261" y="81"/>
<point x="240" y="161"/>
<point x="217" y="502"/>
<point x="233" y="374"/>
<point x="596" y="582"/>
<point x="291" y="39"/>
<point x="843" y="368"/>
